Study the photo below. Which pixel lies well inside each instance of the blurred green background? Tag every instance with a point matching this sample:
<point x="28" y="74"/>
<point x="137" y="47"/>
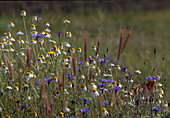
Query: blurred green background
<point x="149" y="21"/>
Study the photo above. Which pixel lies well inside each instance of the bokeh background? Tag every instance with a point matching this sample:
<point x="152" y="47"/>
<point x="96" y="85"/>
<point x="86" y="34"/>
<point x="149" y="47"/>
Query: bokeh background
<point x="148" y="19"/>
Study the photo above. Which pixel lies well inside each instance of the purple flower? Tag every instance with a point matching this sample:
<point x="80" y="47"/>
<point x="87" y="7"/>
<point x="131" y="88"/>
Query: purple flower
<point x="80" y="63"/>
<point x="84" y="110"/>
<point x="38" y="35"/>
<point x="109" y="80"/>
<point x="124" y="69"/>
<point x="22" y="106"/>
<point x="59" y="34"/>
<point x="101" y="84"/>
<point x="117" y="88"/>
<point x="37" y="82"/>
<point x="85" y="100"/>
<point x="149" y="77"/>
<point x="102" y="60"/>
<point x="69" y="75"/>
<point x="106" y="103"/>
<point x="104" y="80"/>
<point x="156" y="109"/>
<point x="48" y="80"/>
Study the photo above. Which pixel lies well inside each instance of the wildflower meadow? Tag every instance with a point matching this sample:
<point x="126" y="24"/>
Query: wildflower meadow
<point x="45" y="74"/>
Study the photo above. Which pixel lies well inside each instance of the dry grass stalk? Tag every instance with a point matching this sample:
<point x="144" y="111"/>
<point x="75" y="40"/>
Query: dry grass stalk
<point x="41" y="90"/>
<point x="28" y="49"/>
<point x="46" y="105"/>
<point x="74" y="64"/>
<point x="99" y="44"/>
<point x="120" y="45"/>
<point x="90" y="75"/>
<point x="10" y="69"/>
<point x="59" y="84"/>
<point x="126" y="41"/>
<point x="85" y="47"/>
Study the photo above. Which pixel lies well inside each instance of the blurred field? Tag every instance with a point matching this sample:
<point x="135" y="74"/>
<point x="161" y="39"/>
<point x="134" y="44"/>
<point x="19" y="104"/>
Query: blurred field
<point x="150" y="30"/>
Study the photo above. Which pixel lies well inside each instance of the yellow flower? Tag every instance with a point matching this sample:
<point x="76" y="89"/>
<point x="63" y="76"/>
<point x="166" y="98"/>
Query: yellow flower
<point x="23" y="13"/>
<point x="51" y="52"/>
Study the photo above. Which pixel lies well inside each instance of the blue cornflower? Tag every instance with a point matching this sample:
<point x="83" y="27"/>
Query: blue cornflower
<point x="69" y="75"/>
<point x="37" y="82"/>
<point x="38" y="35"/>
<point x="124" y="69"/>
<point x="80" y="63"/>
<point x="48" y="80"/>
<point x="84" y="110"/>
<point x="106" y="103"/>
<point x="149" y="77"/>
<point x="102" y="60"/>
<point x="102" y="84"/>
<point x="117" y="88"/>
<point x="59" y="34"/>
<point x="85" y="100"/>
<point x="22" y="106"/>
<point x="156" y="109"/>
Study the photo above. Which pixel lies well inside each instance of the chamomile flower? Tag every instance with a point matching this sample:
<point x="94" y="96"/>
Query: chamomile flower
<point x="94" y="47"/>
<point x="35" y="113"/>
<point x="5" y="67"/>
<point x="86" y="63"/>
<point x="92" y="86"/>
<point x="34" y="18"/>
<point x="16" y="88"/>
<point x="138" y="71"/>
<point x="72" y="50"/>
<point x="83" y="88"/>
<point x="118" y="67"/>
<point x="69" y="85"/>
<point x="11" y="24"/>
<point x="158" y="84"/>
<point x="33" y="42"/>
<point x="55" y="79"/>
<point x="1" y="45"/>
<point x="47" y="30"/>
<point x="66" y="110"/>
<point x="39" y="61"/>
<point x="61" y="114"/>
<point x="28" y="97"/>
<point x="111" y="65"/>
<point x="19" y="33"/>
<point x="24" y="85"/>
<point x="69" y="34"/>
<point x="82" y="76"/>
<point x="33" y="27"/>
<point x="160" y="95"/>
<point x="79" y="50"/>
<point x="21" y="53"/>
<point x="66" y="92"/>
<point x="8" y="34"/>
<point x="105" y="112"/>
<point x="94" y="92"/>
<point x="9" y="88"/>
<point x="47" y="24"/>
<point x="66" y="21"/>
<point x="11" y="39"/>
<point x="23" y="13"/>
<point x="46" y="35"/>
<point x="66" y="44"/>
<point x="42" y="57"/>
<point x="107" y="75"/>
<point x="28" y="75"/>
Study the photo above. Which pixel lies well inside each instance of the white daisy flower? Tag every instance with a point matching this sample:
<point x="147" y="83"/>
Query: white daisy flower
<point x="19" y="33"/>
<point x="1" y="45"/>
<point x="138" y="71"/>
<point x="33" y="42"/>
<point x="118" y="67"/>
<point x="39" y="61"/>
<point x="79" y="50"/>
<point x="28" y="97"/>
<point x="23" y="13"/>
<point x="66" y="110"/>
<point x="94" y="92"/>
<point x="11" y="24"/>
<point x="69" y="85"/>
<point x="47" y="30"/>
<point x="66" y="44"/>
<point x="66" y="21"/>
<point x="105" y="113"/>
<point x="21" y="53"/>
<point x="92" y="86"/>
<point x="68" y="34"/>
<point x="83" y="88"/>
<point x="11" y="39"/>
<point x="47" y="25"/>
